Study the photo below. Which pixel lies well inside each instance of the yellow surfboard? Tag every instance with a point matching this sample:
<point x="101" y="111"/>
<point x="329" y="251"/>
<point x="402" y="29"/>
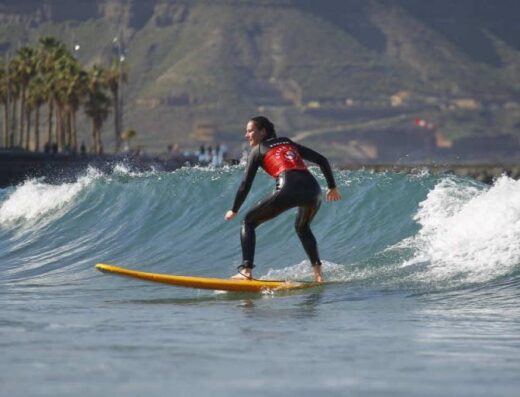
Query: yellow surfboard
<point x="219" y="284"/>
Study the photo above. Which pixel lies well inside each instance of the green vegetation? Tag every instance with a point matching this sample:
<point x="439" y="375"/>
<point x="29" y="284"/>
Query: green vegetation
<point x="50" y="74"/>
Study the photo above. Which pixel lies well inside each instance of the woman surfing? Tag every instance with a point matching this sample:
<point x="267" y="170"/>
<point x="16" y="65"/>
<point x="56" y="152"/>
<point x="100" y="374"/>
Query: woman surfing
<point x="295" y="187"/>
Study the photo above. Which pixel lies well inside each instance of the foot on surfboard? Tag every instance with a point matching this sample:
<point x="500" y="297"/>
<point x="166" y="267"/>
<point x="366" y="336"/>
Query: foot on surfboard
<point x="243" y="274"/>
<point x="240" y="276"/>
<point x="318" y="275"/>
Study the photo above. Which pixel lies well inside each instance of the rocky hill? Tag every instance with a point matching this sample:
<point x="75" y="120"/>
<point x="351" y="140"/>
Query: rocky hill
<point x="199" y="69"/>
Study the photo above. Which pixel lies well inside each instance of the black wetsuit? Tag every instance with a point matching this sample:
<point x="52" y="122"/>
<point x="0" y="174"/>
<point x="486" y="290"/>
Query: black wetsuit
<point x="294" y="188"/>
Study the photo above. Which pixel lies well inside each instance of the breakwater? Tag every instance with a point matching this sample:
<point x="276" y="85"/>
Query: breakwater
<point x="486" y="173"/>
<point x="19" y="165"/>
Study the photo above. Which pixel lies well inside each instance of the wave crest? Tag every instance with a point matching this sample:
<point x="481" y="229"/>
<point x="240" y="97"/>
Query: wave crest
<point x="34" y="199"/>
<point x="467" y="232"/>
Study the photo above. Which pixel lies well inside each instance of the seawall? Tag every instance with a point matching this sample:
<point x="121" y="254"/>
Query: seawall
<point x="18" y="165"/>
<point x="486" y="173"/>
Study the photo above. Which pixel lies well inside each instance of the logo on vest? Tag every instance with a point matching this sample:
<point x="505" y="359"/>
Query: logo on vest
<point x="285" y="153"/>
<point x="290" y="155"/>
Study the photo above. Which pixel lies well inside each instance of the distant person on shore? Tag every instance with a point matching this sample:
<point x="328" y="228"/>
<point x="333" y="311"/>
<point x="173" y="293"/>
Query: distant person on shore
<point x="223" y="152"/>
<point x="220" y="154"/>
<point x="209" y="155"/>
<point x="174" y="152"/>
<point x="215" y="161"/>
<point x="202" y="154"/>
<point x="295" y="187"/>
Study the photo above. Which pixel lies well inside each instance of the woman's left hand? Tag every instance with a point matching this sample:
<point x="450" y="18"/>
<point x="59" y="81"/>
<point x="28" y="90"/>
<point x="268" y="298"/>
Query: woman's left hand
<point x="333" y="195"/>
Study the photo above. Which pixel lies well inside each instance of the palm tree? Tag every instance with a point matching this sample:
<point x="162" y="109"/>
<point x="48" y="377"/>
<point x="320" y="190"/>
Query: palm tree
<point x="24" y="69"/>
<point x="14" y="94"/>
<point x="97" y="106"/>
<point x="4" y="99"/>
<point x="114" y="76"/>
<point x="64" y="71"/>
<point x="50" y="74"/>
<point x="35" y="100"/>
<point x="73" y="88"/>
<point x="49" y="52"/>
<point x="77" y="90"/>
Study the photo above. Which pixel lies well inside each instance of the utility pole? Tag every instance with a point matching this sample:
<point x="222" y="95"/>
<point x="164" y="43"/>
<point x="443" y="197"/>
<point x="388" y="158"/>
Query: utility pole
<point x="7" y="101"/>
<point x="121" y="57"/>
<point x="121" y="103"/>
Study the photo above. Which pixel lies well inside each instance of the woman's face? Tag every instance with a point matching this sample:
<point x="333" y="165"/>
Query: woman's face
<point x="253" y="134"/>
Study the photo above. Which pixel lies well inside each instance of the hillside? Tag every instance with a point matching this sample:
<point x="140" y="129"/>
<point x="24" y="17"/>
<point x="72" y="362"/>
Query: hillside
<point x="308" y="65"/>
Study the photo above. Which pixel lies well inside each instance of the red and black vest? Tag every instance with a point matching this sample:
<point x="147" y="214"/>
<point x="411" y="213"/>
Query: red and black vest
<point x="282" y="157"/>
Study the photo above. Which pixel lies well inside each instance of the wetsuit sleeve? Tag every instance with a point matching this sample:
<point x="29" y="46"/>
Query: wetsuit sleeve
<point x="317" y="158"/>
<point x="253" y="162"/>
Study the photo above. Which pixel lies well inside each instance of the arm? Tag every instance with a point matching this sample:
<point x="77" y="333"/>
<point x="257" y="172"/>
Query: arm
<point x="316" y="158"/>
<point x="333" y="193"/>
<point x="253" y="163"/>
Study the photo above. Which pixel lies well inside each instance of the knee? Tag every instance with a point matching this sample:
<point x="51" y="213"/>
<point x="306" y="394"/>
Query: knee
<point x="301" y="230"/>
<point x="249" y="223"/>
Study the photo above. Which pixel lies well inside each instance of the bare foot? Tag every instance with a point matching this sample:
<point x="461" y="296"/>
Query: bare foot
<point x="318" y="276"/>
<point x="245" y="274"/>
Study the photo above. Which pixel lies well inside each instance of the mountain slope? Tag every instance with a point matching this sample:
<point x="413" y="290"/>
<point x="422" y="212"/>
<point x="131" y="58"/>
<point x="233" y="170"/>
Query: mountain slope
<point x="222" y="61"/>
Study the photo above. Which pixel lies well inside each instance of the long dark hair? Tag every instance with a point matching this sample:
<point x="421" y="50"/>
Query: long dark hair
<point x="261" y="123"/>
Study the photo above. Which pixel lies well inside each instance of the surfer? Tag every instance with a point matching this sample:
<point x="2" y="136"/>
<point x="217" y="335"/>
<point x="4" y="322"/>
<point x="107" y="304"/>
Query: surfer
<point x="295" y="187"/>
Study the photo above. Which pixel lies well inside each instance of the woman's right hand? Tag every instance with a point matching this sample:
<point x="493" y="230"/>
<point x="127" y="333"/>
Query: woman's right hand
<point x="333" y="195"/>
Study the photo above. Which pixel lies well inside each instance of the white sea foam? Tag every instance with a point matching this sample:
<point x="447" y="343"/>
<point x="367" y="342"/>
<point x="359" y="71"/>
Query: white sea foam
<point x="468" y="233"/>
<point x="121" y="169"/>
<point x="303" y="271"/>
<point x="34" y="199"/>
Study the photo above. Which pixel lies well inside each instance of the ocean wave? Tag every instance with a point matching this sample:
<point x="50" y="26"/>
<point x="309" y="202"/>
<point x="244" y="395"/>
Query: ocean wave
<point x="34" y="199"/>
<point x="389" y="231"/>
<point x="468" y="233"/>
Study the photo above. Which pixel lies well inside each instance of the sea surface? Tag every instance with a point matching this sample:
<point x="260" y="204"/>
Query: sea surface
<point x="424" y="299"/>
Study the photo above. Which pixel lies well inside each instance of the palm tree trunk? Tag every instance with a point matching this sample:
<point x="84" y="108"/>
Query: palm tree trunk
<point x="49" y="123"/>
<point x="69" y="129"/>
<point x="6" y="124"/>
<point x="12" y="133"/>
<point x="99" y="145"/>
<point x="73" y="131"/>
<point x="37" y="129"/>
<point x="28" y="130"/>
<point x="94" y="140"/>
<point x="57" y="131"/>
<point x="63" y="128"/>
<point x="117" y="120"/>
<point x="22" y="117"/>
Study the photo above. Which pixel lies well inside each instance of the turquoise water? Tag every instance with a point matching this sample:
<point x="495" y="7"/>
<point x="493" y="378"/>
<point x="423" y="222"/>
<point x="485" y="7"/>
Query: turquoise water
<point x="425" y="301"/>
